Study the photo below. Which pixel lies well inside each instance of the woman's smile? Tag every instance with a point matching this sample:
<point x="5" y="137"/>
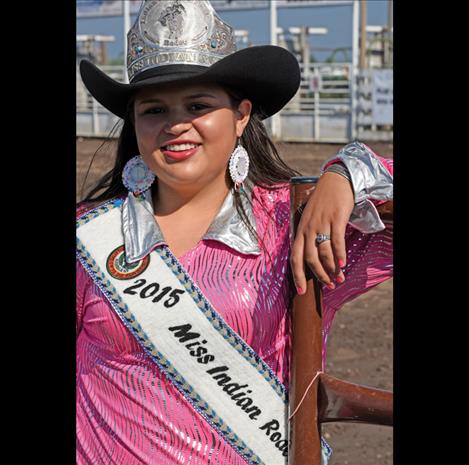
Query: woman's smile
<point x="179" y="155"/>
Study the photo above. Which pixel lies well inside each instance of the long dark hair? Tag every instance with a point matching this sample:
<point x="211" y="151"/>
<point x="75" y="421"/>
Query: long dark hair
<point x="266" y="167"/>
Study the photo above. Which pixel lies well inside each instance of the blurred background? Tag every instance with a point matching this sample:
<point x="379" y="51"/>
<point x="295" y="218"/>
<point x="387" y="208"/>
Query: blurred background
<point x="345" y="50"/>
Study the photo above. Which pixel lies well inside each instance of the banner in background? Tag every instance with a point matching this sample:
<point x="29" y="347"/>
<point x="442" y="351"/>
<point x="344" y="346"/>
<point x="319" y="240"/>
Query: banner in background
<point x="382" y="98"/>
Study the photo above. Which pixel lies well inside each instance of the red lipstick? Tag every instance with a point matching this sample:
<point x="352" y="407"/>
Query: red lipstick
<point x="180" y="155"/>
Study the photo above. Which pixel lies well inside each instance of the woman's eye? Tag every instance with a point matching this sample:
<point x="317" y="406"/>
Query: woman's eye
<point x="158" y="110"/>
<point x="152" y="111"/>
<point x="198" y="106"/>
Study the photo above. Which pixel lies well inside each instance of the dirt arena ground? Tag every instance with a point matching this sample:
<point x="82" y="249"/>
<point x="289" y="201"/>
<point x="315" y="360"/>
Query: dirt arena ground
<point x="361" y="342"/>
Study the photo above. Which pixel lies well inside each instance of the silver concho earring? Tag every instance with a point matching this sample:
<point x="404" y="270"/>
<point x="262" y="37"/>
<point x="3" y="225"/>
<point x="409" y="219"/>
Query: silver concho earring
<point x="136" y="175"/>
<point x="239" y="166"/>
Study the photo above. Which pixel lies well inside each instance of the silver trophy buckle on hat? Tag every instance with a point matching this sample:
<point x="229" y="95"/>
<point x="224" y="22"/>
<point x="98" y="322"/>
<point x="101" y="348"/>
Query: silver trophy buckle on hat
<point x="177" y="32"/>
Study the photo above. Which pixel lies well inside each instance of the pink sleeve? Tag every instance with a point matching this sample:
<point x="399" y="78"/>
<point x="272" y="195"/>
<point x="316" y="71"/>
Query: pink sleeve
<point x="82" y="283"/>
<point x="83" y="280"/>
<point x="369" y="263"/>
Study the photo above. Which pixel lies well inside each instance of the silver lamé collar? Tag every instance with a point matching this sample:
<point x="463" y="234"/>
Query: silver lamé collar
<point x="142" y="232"/>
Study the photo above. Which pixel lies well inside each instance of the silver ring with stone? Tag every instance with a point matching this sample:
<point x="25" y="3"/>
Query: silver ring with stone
<point x="322" y="238"/>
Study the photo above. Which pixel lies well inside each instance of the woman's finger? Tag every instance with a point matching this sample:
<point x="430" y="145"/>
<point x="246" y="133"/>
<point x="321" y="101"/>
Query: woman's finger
<point x="297" y="264"/>
<point x="313" y="261"/>
<point x="326" y="256"/>
<point x="339" y="251"/>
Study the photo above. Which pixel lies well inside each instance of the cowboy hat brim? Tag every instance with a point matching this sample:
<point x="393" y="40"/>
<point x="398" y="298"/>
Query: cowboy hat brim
<point x="268" y="75"/>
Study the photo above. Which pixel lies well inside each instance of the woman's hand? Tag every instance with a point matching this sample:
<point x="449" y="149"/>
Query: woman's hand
<point x="327" y="211"/>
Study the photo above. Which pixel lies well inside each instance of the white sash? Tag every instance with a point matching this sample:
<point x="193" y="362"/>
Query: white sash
<point x="225" y="381"/>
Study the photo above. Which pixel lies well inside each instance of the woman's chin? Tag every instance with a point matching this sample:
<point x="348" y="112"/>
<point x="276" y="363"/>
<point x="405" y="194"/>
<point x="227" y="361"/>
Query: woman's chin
<point x="182" y="177"/>
<point x="191" y="172"/>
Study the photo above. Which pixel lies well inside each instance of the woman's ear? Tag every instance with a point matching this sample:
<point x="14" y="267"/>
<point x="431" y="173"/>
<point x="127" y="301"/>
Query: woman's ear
<point x="243" y="115"/>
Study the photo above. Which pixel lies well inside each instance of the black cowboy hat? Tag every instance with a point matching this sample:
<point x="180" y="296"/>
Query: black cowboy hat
<point x="268" y="75"/>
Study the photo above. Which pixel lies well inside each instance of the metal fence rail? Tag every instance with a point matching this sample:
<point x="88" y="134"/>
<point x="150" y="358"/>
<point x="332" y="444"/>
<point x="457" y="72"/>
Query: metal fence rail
<point x="320" y="111"/>
<point x="93" y="120"/>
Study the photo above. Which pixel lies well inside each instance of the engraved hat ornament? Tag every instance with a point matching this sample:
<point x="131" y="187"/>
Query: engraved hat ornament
<point x="186" y="41"/>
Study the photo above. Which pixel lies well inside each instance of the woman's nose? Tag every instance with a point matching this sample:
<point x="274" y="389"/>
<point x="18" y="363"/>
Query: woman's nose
<point x="177" y="125"/>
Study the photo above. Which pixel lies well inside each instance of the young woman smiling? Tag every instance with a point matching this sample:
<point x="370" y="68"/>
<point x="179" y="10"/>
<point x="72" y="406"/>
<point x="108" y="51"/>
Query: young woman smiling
<point x="184" y="249"/>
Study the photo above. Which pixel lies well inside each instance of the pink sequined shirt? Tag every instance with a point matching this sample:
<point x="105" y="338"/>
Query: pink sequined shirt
<point x="128" y="412"/>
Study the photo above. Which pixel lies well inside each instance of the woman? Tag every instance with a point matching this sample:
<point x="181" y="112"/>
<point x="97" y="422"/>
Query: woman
<point x="183" y="281"/>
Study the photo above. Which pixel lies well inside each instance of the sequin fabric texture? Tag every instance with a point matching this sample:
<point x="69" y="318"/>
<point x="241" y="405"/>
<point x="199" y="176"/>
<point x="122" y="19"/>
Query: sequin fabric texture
<point x="129" y="413"/>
